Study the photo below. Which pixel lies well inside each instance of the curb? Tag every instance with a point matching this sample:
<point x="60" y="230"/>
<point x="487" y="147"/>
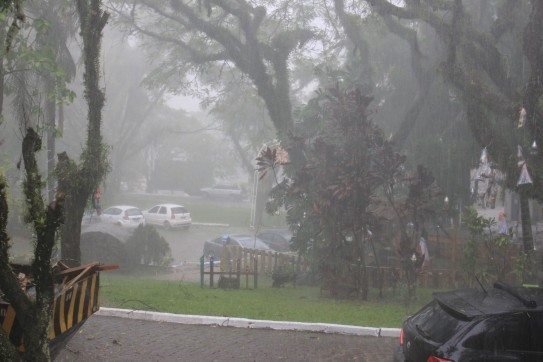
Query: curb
<point x="248" y="323"/>
<point x="209" y="224"/>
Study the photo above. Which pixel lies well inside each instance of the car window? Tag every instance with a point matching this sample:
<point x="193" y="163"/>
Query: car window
<point x="251" y="243"/>
<point x="435" y="323"/>
<point x="154" y="210"/>
<point x="179" y="210"/>
<point x="133" y="212"/>
<point x="112" y="211"/>
<point x="266" y="237"/>
<point x="536" y="331"/>
<point x="501" y="333"/>
<point x="162" y="210"/>
<point x="219" y="241"/>
<point x="231" y="241"/>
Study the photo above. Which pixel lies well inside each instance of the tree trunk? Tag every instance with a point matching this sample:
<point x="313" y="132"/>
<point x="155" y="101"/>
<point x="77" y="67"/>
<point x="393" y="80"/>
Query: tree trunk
<point x="527" y="239"/>
<point x="71" y="230"/>
<point x="79" y="183"/>
<point x="50" y="130"/>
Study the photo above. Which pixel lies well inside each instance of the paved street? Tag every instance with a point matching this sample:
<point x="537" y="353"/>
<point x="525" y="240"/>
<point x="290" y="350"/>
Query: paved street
<point x="119" y="339"/>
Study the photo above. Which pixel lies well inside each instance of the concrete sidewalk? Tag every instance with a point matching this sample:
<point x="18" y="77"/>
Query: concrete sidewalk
<point x="107" y="338"/>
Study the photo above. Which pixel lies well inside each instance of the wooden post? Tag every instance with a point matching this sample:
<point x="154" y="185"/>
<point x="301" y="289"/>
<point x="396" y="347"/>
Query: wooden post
<point x="245" y="264"/>
<point x="211" y="272"/>
<point x="455" y="242"/>
<point x="246" y="276"/>
<point x="238" y="273"/>
<point x="202" y="271"/>
<point x="255" y="277"/>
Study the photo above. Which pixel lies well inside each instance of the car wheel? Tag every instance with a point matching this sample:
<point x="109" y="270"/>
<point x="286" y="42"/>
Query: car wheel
<point x="167" y="225"/>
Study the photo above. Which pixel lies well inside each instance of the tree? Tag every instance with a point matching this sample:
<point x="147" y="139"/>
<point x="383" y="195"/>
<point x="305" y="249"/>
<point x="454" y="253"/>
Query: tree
<point x="53" y="27"/>
<point x="245" y="121"/>
<point x="79" y="181"/>
<point x="33" y="314"/>
<point x="493" y="89"/>
<point x="353" y="26"/>
<point x="331" y="201"/>
<point x="130" y="106"/>
<point x="235" y="33"/>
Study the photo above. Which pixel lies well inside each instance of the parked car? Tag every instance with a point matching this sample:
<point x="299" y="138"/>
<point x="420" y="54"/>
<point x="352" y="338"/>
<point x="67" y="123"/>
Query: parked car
<point x="278" y="240"/>
<point x="123" y="215"/>
<point x="168" y="216"/>
<point x="214" y="247"/>
<point x="501" y="324"/>
<point x="224" y="191"/>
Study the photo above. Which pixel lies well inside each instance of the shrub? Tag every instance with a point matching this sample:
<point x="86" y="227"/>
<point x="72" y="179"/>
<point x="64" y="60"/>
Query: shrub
<point x="147" y="247"/>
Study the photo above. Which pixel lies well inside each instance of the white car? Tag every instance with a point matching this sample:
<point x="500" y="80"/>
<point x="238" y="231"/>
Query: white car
<point x="232" y="192"/>
<point x="168" y="216"/>
<point x="123" y="215"/>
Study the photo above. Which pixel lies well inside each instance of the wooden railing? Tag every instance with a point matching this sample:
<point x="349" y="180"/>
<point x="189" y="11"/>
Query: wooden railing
<point x="266" y="261"/>
<point x="390" y="277"/>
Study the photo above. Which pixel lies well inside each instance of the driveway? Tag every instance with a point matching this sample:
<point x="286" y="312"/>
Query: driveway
<point x="119" y="339"/>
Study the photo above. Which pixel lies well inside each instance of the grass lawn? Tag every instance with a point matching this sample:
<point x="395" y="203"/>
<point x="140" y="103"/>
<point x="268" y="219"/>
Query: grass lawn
<point x="201" y="210"/>
<point x="303" y="304"/>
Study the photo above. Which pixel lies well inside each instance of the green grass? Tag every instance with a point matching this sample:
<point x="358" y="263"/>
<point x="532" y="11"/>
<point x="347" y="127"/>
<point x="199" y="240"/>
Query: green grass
<point x="303" y="304"/>
<point x="207" y="211"/>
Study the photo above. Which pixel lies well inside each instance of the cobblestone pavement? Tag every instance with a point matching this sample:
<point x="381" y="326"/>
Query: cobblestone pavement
<point x="118" y="339"/>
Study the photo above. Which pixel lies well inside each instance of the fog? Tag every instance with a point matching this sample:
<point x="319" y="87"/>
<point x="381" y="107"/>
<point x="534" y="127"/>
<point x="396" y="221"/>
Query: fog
<point x="347" y="129"/>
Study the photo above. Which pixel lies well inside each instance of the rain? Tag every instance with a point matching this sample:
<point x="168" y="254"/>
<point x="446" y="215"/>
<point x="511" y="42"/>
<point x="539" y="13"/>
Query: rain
<point x="271" y="180"/>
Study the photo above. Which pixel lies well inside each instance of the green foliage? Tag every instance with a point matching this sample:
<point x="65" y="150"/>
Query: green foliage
<point x="147" y="247"/>
<point x="476" y="228"/>
<point x="487" y="254"/>
<point x="329" y="201"/>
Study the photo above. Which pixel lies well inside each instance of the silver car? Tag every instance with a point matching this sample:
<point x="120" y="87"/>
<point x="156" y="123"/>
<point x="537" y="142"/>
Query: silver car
<point x="123" y="215"/>
<point x="168" y="216"/>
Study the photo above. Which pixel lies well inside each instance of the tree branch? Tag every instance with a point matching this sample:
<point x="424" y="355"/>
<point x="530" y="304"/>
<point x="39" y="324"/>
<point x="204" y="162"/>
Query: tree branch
<point x="231" y="44"/>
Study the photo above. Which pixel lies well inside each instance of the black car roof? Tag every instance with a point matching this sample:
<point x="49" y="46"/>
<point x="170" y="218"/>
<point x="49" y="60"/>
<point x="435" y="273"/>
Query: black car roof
<point x="470" y="303"/>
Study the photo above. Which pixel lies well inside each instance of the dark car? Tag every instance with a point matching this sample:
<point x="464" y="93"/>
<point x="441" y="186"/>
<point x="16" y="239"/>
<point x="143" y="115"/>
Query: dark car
<point x="501" y="324"/>
<point x="277" y="240"/>
<point x="214" y="247"/>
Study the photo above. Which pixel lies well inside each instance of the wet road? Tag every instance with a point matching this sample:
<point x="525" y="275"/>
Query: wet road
<point x="118" y="339"/>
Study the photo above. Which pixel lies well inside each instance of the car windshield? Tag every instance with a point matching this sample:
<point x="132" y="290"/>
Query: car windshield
<point x="435" y="323"/>
<point x="133" y="212"/>
<point x="251" y="243"/>
<point x="179" y="210"/>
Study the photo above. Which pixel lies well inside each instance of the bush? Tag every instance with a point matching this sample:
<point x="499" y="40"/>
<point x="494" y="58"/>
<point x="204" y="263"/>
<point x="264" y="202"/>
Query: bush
<point x="147" y="247"/>
<point x="102" y="247"/>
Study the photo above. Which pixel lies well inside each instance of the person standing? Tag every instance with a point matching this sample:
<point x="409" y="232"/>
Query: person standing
<point x="97" y="201"/>
<point x="423" y="251"/>
<point x="503" y="229"/>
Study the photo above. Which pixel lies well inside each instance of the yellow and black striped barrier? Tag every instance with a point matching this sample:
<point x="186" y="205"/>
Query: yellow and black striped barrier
<point x="72" y="306"/>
